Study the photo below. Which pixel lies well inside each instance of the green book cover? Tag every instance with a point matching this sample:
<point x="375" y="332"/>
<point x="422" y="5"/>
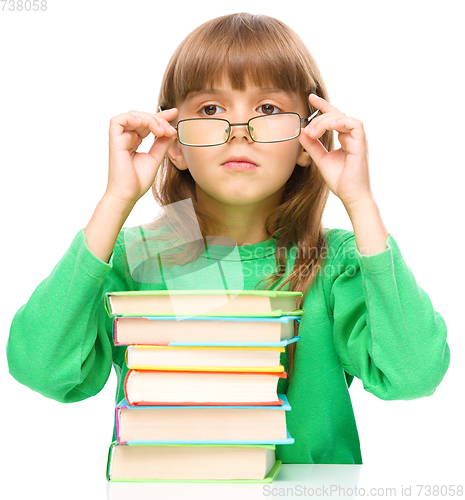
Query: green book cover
<point x="272" y="294"/>
<point x="269" y="478"/>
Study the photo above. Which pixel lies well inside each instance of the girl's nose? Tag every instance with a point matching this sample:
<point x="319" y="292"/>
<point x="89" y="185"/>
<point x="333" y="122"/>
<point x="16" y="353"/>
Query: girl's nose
<point x="239" y="131"/>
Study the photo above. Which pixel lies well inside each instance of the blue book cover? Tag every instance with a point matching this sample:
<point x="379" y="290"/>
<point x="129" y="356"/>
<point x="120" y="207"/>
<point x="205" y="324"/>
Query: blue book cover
<point x="124" y="405"/>
<point x="281" y="343"/>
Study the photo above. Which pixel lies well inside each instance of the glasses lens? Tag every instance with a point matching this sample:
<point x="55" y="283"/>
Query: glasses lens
<point x="275" y="128"/>
<point x="203" y="132"/>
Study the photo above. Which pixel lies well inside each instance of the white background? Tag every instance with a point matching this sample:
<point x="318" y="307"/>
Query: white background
<point x="397" y="66"/>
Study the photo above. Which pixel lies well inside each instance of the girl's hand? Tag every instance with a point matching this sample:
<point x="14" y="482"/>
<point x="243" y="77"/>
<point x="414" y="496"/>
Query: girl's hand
<point x="345" y="170"/>
<point x="131" y="174"/>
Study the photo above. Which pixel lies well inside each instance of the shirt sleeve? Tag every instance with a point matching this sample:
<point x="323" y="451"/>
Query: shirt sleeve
<point x="386" y="331"/>
<point x="60" y="340"/>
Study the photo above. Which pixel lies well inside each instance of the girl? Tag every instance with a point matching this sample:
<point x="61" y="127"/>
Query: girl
<point x="262" y="185"/>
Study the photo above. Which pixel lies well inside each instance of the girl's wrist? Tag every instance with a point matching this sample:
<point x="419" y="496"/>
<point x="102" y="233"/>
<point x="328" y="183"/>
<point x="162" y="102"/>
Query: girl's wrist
<point x="104" y="226"/>
<point x="362" y="204"/>
<point x="369" y="229"/>
<point x="119" y="205"/>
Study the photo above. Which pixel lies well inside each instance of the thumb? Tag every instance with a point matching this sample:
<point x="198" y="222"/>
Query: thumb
<point x="313" y="146"/>
<point x="160" y="147"/>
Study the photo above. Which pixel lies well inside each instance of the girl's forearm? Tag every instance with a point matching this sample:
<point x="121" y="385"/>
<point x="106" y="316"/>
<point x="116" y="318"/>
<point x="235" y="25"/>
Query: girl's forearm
<point x="104" y="226"/>
<point x="369" y="229"/>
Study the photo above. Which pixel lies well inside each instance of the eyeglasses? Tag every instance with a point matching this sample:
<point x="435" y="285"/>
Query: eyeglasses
<point x="202" y="132"/>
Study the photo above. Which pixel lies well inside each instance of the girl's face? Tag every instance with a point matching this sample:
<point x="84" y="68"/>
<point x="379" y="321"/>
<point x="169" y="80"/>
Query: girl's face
<point x="274" y="162"/>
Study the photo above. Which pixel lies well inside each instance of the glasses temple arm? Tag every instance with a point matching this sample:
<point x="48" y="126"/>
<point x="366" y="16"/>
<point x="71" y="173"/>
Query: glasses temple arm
<point x="310" y="118"/>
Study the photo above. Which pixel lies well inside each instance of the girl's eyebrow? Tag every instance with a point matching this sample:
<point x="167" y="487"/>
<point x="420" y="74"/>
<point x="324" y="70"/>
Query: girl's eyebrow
<point x="272" y="90"/>
<point x="198" y="93"/>
<point x="262" y="91"/>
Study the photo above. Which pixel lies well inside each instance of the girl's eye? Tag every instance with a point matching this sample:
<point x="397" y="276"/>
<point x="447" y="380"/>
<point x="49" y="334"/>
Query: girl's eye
<point x="211" y="109"/>
<point x="268" y="109"/>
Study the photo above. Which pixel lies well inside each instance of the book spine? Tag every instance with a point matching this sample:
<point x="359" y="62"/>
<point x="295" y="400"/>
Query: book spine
<point x="113" y="332"/>
<point x="109" y="460"/>
<point x="203" y="369"/>
<point x="117" y="414"/>
<point x="278" y="402"/>
<point x="169" y="403"/>
<point x="271" y="374"/>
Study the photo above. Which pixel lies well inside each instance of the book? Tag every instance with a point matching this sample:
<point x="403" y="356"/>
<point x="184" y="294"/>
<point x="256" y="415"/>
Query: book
<point x="201" y="401"/>
<point x="158" y="387"/>
<point x="195" y="462"/>
<point x="204" y="358"/>
<point x="202" y="424"/>
<point x="202" y="303"/>
<point x="185" y="330"/>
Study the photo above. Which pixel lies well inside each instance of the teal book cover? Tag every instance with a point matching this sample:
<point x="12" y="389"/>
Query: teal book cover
<point x="269" y="477"/>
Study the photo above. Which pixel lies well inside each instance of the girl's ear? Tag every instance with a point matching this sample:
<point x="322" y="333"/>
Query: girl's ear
<point x="304" y="159"/>
<point x="176" y="156"/>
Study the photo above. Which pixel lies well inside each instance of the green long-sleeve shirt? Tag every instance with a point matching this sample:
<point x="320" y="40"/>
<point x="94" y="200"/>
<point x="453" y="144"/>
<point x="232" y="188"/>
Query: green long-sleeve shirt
<point x="365" y="317"/>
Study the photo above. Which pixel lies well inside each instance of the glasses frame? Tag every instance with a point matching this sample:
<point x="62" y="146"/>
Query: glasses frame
<point x="230" y="125"/>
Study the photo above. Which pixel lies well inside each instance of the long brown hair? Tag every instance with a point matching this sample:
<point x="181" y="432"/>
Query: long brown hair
<point x="260" y="50"/>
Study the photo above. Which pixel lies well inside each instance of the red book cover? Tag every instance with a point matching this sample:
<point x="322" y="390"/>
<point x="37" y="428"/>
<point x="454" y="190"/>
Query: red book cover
<point x="276" y="402"/>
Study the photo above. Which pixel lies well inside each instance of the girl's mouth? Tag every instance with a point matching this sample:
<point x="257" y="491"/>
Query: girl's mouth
<point x="240" y="165"/>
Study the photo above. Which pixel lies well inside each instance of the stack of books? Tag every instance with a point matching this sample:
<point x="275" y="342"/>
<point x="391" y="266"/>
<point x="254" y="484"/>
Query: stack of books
<point x="201" y="401"/>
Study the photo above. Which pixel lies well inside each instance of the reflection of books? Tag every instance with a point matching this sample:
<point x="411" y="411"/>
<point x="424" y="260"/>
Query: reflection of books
<point x="190" y="302"/>
<point x="201" y="330"/>
<point x="204" y="358"/>
<point x="196" y="462"/>
<point x="153" y="387"/>
<point x="202" y="424"/>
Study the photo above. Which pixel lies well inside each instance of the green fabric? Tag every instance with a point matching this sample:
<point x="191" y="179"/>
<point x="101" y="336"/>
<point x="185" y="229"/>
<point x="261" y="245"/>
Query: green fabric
<point x="365" y="317"/>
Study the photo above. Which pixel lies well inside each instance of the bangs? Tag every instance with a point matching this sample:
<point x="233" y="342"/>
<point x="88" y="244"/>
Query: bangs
<point x="243" y="49"/>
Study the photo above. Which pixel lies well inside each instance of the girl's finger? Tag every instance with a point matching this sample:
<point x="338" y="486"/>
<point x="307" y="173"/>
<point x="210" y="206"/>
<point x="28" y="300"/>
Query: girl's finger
<point x="157" y="124"/>
<point x="165" y="116"/>
<point x="346" y="124"/>
<point x="142" y="129"/>
<point x="351" y="135"/>
<point x="318" y="126"/>
<point x="313" y="147"/>
<point x="352" y="126"/>
<point x="325" y="117"/>
<point x="339" y="123"/>
<point x="319" y="103"/>
<point x="125" y="121"/>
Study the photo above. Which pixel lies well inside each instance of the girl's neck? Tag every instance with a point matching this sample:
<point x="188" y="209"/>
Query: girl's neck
<point x="245" y="224"/>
